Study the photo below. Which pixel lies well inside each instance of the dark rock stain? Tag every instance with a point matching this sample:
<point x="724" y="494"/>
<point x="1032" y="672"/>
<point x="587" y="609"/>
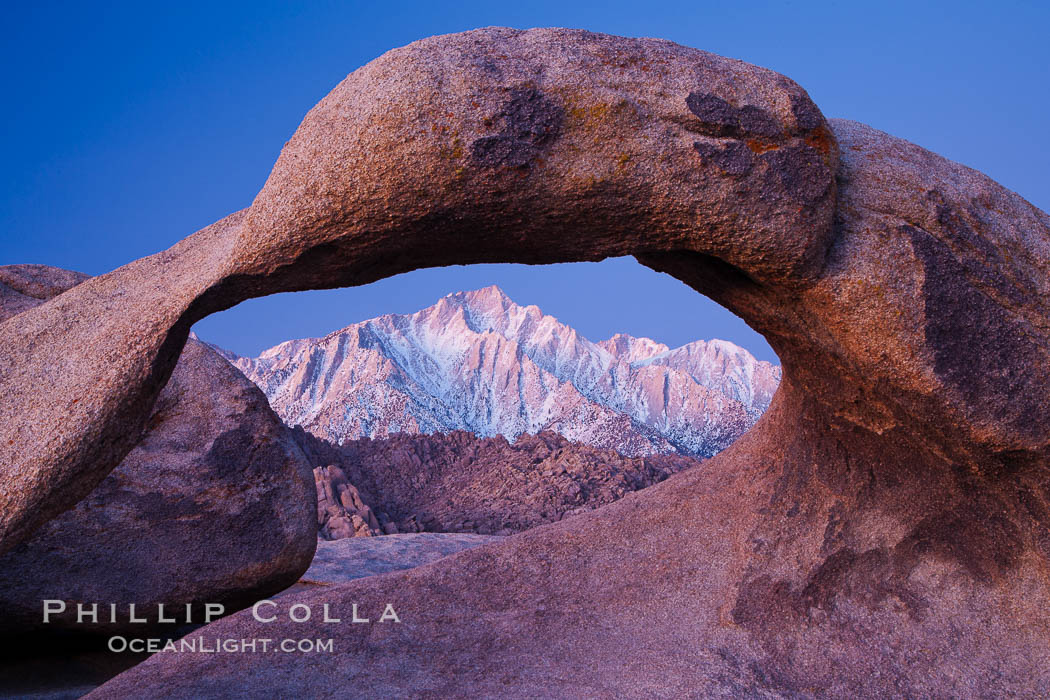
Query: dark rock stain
<point x="975" y="534"/>
<point x="758" y="122"/>
<point x="833" y="532"/>
<point x="732" y="158"/>
<point x="160" y="506"/>
<point x="1037" y="508"/>
<point x="807" y="116"/>
<point x="800" y="171"/>
<point x="240" y="452"/>
<point x="722" y="120"/>
<point x="869" y="578"/>
<point x="959" y="315"/>
<point x="529" y="121"/>
<point x="979" y="254"/>
<point x="716" y="114"/>
<point x="799" y="166"/>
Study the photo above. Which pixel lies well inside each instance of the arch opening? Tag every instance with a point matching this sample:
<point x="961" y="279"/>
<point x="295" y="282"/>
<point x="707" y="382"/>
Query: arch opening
<point x="496" y="370"/>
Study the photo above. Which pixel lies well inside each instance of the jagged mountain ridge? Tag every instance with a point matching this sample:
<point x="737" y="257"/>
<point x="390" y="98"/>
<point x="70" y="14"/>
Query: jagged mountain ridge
<point x="478" y="362"/>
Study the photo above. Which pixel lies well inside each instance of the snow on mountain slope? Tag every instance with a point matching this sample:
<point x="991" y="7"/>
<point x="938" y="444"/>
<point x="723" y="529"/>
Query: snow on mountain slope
<point x="477" y="361"/>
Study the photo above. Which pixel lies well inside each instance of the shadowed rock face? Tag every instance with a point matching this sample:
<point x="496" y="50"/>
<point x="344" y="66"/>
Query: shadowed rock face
<point x="882" y="530"/>
<point x="456" y="482"/>
<point x="213" y="504"/>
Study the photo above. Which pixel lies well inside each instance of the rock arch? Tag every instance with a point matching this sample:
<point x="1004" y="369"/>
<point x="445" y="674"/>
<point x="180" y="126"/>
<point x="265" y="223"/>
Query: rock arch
<point x="893" y="502"/>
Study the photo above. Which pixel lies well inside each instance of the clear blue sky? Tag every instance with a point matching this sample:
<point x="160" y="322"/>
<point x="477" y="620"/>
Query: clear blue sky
<point x="128" y="126"/>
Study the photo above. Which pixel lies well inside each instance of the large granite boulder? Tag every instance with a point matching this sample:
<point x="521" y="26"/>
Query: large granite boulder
<point x="213" y="505"/>
<point x="883" y="530"/>
<point x="80" y="373"/>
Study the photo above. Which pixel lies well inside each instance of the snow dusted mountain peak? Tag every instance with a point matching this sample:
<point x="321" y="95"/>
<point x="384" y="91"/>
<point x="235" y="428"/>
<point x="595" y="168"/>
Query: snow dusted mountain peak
<point x="633" y="350"/>
<point x="490" y="309"/>
<point x="491" y="295"/>
<point x="477" y="361"/>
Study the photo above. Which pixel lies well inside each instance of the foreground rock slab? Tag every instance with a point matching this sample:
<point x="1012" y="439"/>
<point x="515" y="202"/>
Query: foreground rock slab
<point x="349" y="559"/>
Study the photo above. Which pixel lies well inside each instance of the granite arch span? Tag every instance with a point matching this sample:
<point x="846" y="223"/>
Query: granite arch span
<point x="490" y="146"/>
<point x="891" y="504"/>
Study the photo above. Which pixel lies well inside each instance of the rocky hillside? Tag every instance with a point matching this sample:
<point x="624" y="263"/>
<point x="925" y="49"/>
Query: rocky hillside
<point x="457" y="482"/>
<point x="478" y="362"/>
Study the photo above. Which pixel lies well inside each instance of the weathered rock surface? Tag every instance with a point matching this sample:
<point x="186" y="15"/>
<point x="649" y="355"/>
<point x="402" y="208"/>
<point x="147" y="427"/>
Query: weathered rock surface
<point x="349" y="559"/>
<point x="24" y="286"/>
<point x="340" y="510"/>
<point x="457" y="482"/>
<point x="214" y="504"/>
<point x="883" y="530"/>
<point x="104" y="349"/>
<point x="476" y="361"/>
